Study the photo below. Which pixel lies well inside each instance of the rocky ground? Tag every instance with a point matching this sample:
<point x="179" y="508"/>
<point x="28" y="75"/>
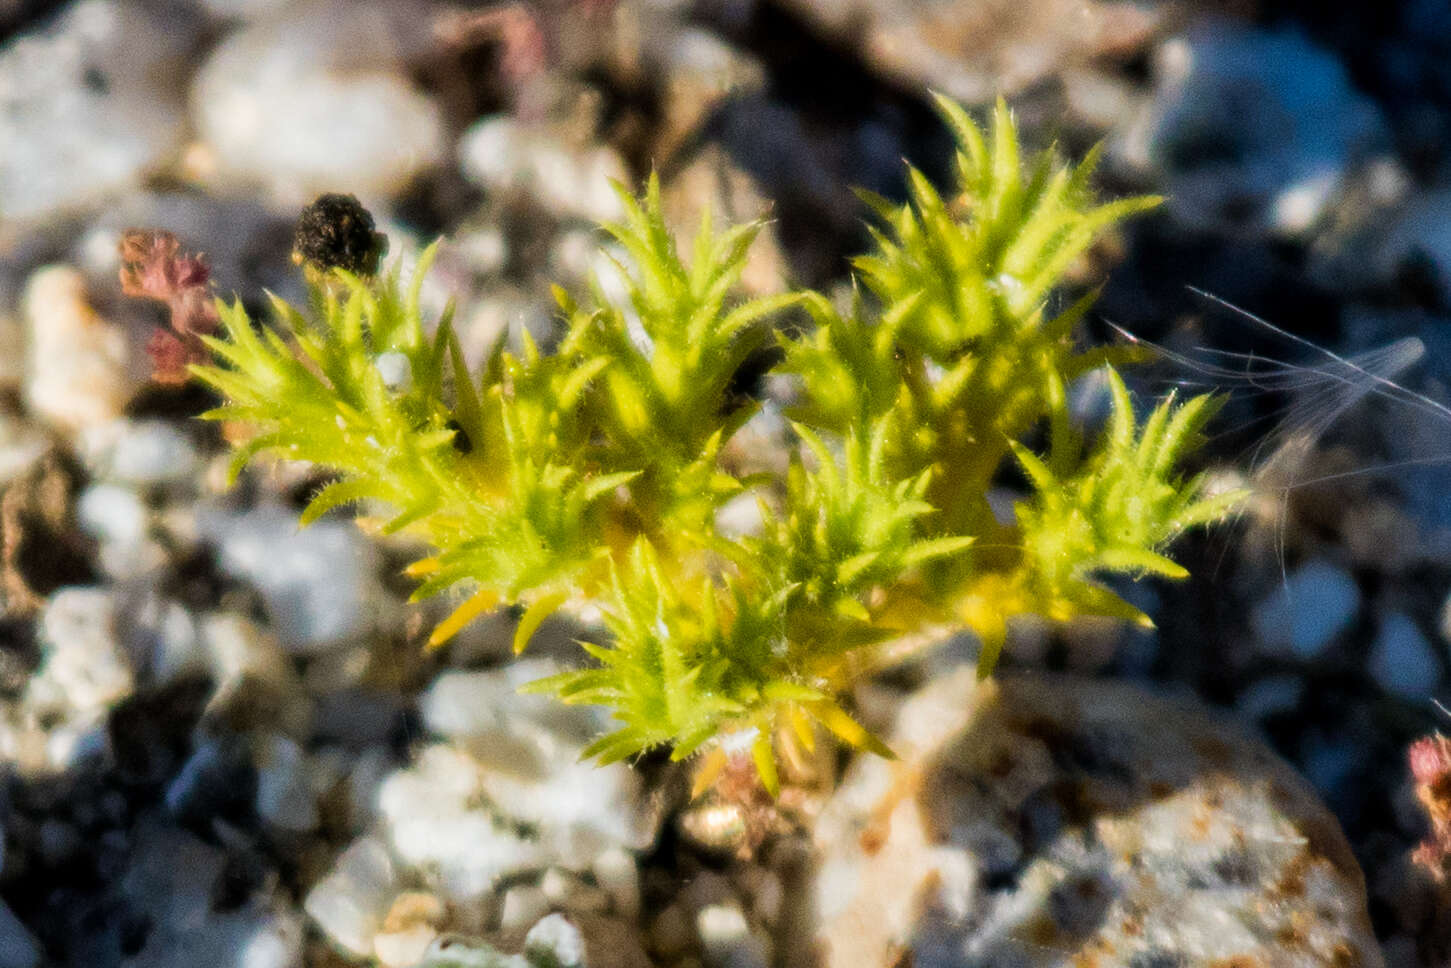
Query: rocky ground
<point x="222" y="744"/>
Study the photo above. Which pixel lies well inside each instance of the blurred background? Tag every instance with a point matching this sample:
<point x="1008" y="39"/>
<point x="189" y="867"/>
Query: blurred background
<point x="187" y="682"/>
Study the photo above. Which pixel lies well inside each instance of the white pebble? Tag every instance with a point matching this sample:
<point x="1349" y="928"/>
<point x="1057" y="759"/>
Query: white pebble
<point x="616" y="872"/>
<point x="350" y="903"/>
<point x="286" y="799"/>
<point x="152" y="452"/>
<point x="555" y="937"/>
<point x="313" y="101"/>
<point x="500" y="154"/>
<point x="319" y="583"/>
<point x="85" y="662"/>
<point x="77" y="363"/>
<point x="523" y="905"/>
<point x="396" y="371"/>
<point x="727" y="938"/>
<point x="88" y="104"/>
<point x="112" y="515"/>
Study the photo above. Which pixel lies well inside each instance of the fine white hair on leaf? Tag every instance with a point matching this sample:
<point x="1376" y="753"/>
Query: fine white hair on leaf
<point x="1321" y="390"/>
<point x="1322" y="387"/>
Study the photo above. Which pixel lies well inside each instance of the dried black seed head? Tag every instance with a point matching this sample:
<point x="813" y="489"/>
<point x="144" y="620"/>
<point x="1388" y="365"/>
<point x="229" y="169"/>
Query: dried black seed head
<point x="336" y="232"/>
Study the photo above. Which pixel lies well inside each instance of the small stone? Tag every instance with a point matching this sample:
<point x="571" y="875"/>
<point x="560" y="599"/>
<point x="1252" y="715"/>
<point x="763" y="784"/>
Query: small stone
<point x="88" y="105"/>
<point x="523" y="905"/>
<point x="337" y="670"/>
<point x="171" y="877"/>
<point x="403" y="949"/>
<point x="455" y="951"/>
<point x="1270" y="696"/>
<point x="152" y="452"/>
<point x="503" y="155"/>
<point x="370" y="769"/>
<point x="217" y="781"/>
<point x="727" y="938"/>
<point x="78" y="744"/>
<point x="1255" y="130"/>
<point x="317" y="99"/>
<point x="319" y="583"/>
<point x="554" y="941"/>
<point x="256" y="686"/>
<point x="1402" y="659"/>
<point x="410" y="927"/>
<point x="768" y="897"/>
<point x="286" y="799"/>
<point x="973" y="52"/>
<point x="18" y="947"/>
<point x="1315" y="603"/>
<point x="352" y="901"/>
<point x="671" y="933"/>
<point x="112" y="514"/>
<point x="1143" y="826"/>
<point x="86" y="668"/>
<point x="484" y="249"/>
<point x="59" y="842"/>
<point x="564" y="890"/>
<point x="616" y="872"/>
<point x="528" y="750"/>
<point x="706" y="889"/>
<point x="358" y="718"/>
<point x="168" y="632"/>
<point x="437" y="817"/>
<point x="77" y="363"/>
<point x="256" y="935"/>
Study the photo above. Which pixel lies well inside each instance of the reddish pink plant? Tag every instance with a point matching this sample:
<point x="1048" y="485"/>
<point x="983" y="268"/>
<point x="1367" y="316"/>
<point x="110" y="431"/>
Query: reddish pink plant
<point x="1430" y="759"/>
<point x="153" y="267"/>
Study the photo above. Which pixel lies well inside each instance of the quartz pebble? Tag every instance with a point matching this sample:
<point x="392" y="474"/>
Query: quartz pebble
<point x="437" y="819"/>
<point x="77" y="371"/>
<point x="88" y="105"/>
<point x="504" y="155"/>
<point x="112" y="514"/>
<point x="727" y="938"/>
<point x="319" y="583"/>
<point x="352" y="901"/>
<point x="87" y="668"/>
<point x="286" y="801"/>
<point x="151" y="452"/>
<point x="671" y="933"/>
<point x="317" y="99"/>
<point x="527" y="751"/>
<point x="523" y="905"/>
<point x="410" y="927"/>
<point x="615" y="871"/>
<point x="1149" y="832"/>
<point x="973" y="51"/>
<point x="554" y="940"/>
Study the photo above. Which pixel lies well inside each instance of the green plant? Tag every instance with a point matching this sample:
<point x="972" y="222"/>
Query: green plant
<point x="592" y="473"/>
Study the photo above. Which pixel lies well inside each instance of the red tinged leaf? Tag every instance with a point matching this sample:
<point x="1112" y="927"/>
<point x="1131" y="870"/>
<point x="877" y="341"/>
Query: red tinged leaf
<point x="153" y="267"/>
<point x="1430" y="762"/>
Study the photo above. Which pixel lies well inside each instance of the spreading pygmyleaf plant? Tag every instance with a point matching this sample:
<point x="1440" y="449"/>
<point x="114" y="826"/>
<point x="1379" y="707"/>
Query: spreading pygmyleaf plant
<point x="590" y="475"/>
